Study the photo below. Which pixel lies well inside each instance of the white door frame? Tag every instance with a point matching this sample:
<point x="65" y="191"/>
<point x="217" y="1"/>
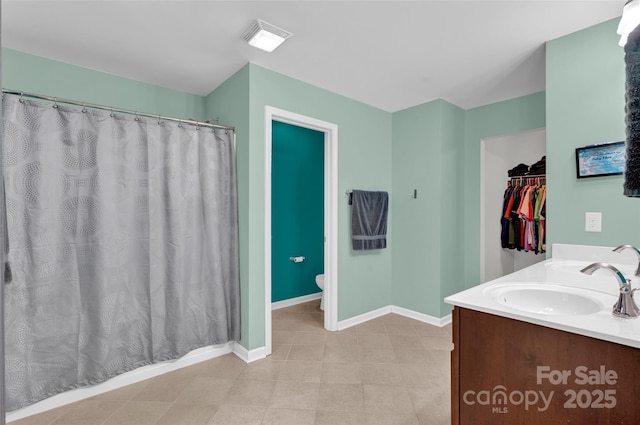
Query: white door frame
<point x="330" y="213"/>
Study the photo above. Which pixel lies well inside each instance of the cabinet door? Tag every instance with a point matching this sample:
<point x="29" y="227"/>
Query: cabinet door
<point x="512" y="372"/>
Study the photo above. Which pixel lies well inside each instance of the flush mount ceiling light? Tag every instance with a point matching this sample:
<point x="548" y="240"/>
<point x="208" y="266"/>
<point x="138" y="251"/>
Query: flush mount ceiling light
<point x="265" y="36"/>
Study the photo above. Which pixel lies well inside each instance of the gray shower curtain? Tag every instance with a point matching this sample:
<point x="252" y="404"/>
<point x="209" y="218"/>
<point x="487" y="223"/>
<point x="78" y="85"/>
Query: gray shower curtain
<point x="123" y="239"/>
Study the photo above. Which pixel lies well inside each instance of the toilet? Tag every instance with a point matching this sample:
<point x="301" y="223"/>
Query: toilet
<point x="320" y="283"/>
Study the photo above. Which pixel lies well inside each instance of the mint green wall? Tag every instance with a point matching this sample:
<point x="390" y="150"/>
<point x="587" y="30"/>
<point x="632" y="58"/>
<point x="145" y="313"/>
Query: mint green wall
<point x="34" y="74"/>
<point x="230" y="102"/>
<point x="510" y="116"/>
<point x="416" y="229"/>
<point x="585" y="105"/>
<point x="364" y="149"/>
<point x="452" y="203"/>
<point x="427" y="144"/>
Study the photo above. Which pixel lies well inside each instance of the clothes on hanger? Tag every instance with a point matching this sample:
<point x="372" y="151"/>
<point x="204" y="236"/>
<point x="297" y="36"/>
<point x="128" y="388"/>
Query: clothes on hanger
<point x="523" y="219"/>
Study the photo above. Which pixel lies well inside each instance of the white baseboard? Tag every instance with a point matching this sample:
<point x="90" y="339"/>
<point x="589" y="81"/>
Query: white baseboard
<point x="293" y="301"/>
<point x="127" y="378"/>
<point x="432" y="320"/>
<point x="250" y="355"/>
<point x="435" y="321"/>
<point x="357" y="320"/>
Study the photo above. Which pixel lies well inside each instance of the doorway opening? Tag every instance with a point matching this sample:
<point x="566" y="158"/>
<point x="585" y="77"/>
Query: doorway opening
<point x="297" y="214"/>
<point x="497" y="156"/>
<point x="330" y="132"/>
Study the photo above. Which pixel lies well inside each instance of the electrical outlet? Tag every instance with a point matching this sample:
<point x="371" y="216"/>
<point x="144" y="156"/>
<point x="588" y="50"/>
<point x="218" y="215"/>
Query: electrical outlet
<point x="593" y="222"/>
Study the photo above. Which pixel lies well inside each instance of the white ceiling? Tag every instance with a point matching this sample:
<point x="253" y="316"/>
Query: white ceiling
<point x="388" y="54"/>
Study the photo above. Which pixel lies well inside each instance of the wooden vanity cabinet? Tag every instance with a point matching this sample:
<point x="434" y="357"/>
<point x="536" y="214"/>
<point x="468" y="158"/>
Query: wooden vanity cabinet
<point x="505" y="371"/>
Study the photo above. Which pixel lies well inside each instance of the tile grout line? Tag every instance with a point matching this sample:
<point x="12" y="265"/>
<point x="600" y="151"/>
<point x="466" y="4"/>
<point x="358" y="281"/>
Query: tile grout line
<point x="113" y="413"/>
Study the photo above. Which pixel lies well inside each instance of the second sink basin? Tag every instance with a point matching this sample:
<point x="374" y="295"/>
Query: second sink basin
<point x="545" y="298"/>
<point x="574" y="267"/>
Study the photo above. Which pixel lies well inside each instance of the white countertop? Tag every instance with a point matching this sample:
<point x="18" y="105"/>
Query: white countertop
<point x="564" y="269"/>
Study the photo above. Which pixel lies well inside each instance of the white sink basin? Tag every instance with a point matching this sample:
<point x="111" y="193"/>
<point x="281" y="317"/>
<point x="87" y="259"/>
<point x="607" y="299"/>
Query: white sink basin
<point x="567" y="265"/>
<point x="545" y="298"/>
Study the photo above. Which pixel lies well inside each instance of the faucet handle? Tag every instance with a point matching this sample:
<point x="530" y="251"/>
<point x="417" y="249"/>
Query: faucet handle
<point x="626" y="306"/>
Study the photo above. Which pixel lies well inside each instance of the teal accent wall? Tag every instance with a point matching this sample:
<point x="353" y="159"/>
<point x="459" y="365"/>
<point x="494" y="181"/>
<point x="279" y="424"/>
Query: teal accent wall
<point x="35" y="74"/>
<point x="297" y="210"/>
<point x="510" y="116"/>
<point x="427" y="157"/>
<point x="585" y="105"/>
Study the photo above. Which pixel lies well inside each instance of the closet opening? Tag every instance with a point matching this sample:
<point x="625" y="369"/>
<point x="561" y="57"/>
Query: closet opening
<point x="498" y="155"/>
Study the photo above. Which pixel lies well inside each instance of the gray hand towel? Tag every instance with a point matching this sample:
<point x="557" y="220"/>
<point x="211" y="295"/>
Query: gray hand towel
<point x="369" y="220"/>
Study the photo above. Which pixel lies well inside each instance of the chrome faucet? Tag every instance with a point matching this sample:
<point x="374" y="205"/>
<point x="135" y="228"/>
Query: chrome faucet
<point x="625" y="307"/>
<point x="634" y="249"/>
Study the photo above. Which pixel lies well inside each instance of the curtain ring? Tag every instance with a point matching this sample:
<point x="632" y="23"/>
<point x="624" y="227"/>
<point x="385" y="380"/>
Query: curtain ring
<point x="159" y="122"/>
<point x="55" y="103"/>
<point x="180" y="124"/>
<point x="21" y="99"/>
<point x="136" y="118"/>
<point x="112" y="115"/>
<point x="84" y="109"/>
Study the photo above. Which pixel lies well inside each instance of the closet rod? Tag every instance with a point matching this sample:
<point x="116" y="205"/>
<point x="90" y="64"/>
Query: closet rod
<point x="118" y="110"/>
<point x="531" y="176"/>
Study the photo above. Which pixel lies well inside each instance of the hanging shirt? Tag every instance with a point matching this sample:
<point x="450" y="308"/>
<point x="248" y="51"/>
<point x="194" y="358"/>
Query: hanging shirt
<point x="522" y="223"/>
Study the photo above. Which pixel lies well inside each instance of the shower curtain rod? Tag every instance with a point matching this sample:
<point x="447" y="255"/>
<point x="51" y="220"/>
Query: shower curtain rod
<point x="118" y="110"/>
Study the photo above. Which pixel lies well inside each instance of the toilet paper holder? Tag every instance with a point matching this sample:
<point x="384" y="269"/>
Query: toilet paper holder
<point x="297" y="259"/>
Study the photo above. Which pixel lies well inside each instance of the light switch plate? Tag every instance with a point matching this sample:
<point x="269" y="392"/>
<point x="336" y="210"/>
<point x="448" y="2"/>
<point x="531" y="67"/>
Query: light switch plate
<point x="593" y="222"/>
